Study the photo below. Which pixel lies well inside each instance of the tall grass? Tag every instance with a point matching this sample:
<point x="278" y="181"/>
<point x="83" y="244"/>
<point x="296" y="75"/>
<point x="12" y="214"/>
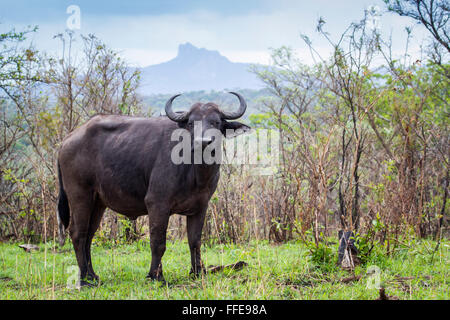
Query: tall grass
<point x="285" y="271"/>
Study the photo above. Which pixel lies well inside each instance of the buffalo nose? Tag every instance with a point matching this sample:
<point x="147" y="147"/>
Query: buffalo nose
<point x="204" y="141"/>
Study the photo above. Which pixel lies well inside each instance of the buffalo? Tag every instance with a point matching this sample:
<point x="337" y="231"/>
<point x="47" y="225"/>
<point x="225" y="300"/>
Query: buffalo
<point x="124" y="163"/>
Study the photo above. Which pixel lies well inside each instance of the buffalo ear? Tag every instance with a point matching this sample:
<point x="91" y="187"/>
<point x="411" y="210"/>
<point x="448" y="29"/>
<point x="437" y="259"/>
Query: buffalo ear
<point x="234" y="128"/>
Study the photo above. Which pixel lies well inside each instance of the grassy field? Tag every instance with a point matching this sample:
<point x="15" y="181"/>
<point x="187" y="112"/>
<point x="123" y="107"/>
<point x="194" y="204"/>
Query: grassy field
<point x="273" y="272"/>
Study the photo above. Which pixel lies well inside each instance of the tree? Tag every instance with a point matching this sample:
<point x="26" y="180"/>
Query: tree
<point x="434" y="16"/>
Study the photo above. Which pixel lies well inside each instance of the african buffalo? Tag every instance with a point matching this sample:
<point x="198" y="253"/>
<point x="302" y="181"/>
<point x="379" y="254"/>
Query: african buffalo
<point x="124" y="163"/>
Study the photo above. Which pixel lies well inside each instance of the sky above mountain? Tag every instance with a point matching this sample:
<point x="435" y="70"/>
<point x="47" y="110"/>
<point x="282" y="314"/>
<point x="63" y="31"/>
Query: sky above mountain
<point x="149" y="32"/>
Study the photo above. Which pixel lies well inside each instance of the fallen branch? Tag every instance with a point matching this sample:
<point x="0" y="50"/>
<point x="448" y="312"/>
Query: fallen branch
<point x="234" y="266"/>
<point x="411" y="278"/>
<point x="29" y="247"/>
<point x="350" y="279"/>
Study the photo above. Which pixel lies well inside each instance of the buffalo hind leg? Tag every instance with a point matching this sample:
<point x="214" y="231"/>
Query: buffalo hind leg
<point x="79" y="231"/>
<point x="82" y="204"/>
<point x="94" y="223"/>
<point x="194" y="232"/>
<point x="158" y="221"/>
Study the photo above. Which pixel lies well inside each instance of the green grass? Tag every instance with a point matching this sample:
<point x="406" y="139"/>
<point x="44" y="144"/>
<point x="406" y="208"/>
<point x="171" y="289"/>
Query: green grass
<point x="273" y="272"/>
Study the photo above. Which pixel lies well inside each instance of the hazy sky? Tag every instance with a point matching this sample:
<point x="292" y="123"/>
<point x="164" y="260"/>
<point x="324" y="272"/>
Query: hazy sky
<point x="149" y="32"/>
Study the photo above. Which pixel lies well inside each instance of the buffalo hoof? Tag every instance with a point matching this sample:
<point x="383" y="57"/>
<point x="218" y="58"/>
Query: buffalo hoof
<point x="158" y="278"/>
<point x="197" y="273"/>
<point x="93" y="277"/>
<point x="90" y="281"/>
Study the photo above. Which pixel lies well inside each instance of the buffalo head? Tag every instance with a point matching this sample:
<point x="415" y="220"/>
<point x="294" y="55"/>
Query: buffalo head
<point x="202" y="120"/>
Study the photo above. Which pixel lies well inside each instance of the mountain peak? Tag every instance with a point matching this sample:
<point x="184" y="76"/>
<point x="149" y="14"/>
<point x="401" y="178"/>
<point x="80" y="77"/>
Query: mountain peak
<point x="185" y="48"/>
<point x="189" y="51"/>
<point x="195" y="69"/>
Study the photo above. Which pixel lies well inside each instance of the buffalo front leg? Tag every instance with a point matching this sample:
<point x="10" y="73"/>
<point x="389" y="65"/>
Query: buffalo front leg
<point x="194" y="233"/>
<point x="158" y="221"/>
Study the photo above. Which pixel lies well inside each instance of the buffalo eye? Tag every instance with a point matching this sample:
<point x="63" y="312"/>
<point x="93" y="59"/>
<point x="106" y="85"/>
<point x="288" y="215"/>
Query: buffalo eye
<point x="214" y="122"/>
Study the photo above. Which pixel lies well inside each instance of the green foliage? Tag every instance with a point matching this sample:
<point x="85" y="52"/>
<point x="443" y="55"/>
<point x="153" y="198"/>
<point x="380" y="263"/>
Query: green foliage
<point x="13" y="58"/>
<point x="321" y="254"/>
<point x="365" y="243"/>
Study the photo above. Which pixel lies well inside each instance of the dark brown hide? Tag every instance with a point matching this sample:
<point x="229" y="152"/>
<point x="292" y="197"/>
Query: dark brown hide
<point x="124" y="163"/>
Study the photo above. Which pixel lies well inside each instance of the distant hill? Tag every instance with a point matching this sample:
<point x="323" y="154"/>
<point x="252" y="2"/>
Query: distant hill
<point x="195" y="69"/>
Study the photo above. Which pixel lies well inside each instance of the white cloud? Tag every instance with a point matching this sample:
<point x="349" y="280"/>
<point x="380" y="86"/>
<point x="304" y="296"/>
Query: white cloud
<point x="145" y="57"/>
<point x="252" y="56"/>
<point x="146" y="39"/>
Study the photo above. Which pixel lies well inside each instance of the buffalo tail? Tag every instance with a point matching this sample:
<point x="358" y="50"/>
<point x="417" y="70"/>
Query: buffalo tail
<point x="63" y="211"/>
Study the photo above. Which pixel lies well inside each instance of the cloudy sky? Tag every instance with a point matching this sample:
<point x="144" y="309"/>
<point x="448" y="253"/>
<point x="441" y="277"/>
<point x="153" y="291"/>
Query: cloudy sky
<point x="149" y="32"/>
